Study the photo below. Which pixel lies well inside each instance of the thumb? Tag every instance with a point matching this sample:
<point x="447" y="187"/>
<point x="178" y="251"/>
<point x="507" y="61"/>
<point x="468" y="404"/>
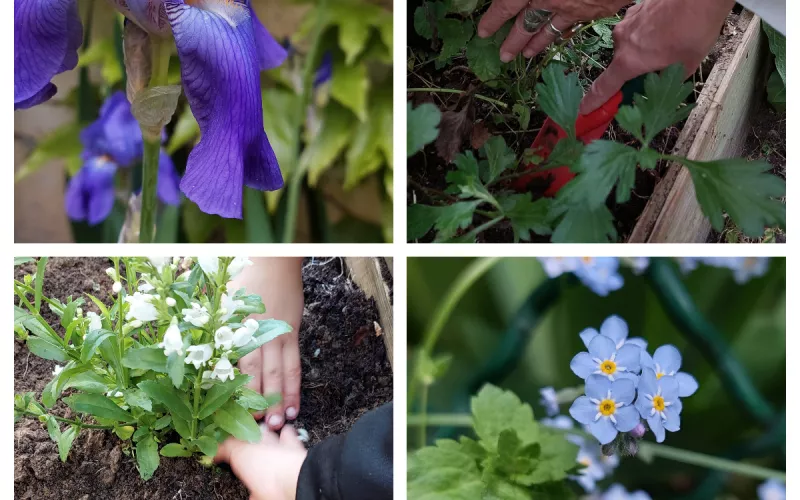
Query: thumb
<point x="606" y="85"/>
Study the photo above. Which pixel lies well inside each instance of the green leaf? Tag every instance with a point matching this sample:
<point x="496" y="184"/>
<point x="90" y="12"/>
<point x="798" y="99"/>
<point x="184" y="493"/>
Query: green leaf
<point x="62" y="143"/>
<point x="176" y="367"/>
<point x="581" y="224"/>
<point x="465" y="180"/>
<point x="136" y="397"/>
<point x="253" y="400"/>
<point x="185" y="131"/>
<point x="162" y="392"/>
<point x="483" y="58"/>
<point x="146" y="358"/>
<point x="124" y="433"/>
<point x="65" y="441"/>
<point x="268" y="330"/>
<point x="630" y="118"/>
<point x="349" y="86"/>
<point x="46" y="349"/>
<point x="526" y="216"/>
<point x="454" y="35"/>
<point x="92" y="341"/>
<point x="69" y="312"/>
<point x="447" y="220"/>
<point x="365" y="155"/>
<point x="424" y="14"/>
<point x="335" y="133"/>
<point x="523" y="114"/>
<point x="776" y="91"/>
<point x="499" y="158"/>
<point x="103" y="52"/>
<point x="175" y="450"/>
<point x="464" y="6"/>
<point x="147" y="457"/>
<point x="18" y="261"/>
<point x="207" y="445"/>
<point x="99" y="304"/>
<point x="603" y="165"/>
<point x="41" y="265"/>
<point x="238" y="422"/>
<point x="777" y="45"/>
<point x="556" y="461"/>
<point x="52" y="428"/>
<point x="495" y="410"/>
<point x="220" y="394"/>
<point x="99" y="406"/>
<point x="567" y="152"/>
<point x="663" y="105"/>
<point x="560" y="96"/>
<point x="88" y="381"/>
<point x="283" y="116"/>
<point x="422" y="126"/>
<point x="162" y="422"/>
<point x="743" y="189"/>
<point x="443" y="472"/>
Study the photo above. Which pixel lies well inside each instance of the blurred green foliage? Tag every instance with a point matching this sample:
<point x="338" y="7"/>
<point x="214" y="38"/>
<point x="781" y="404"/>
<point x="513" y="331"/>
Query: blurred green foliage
<point x="752" y="317"/>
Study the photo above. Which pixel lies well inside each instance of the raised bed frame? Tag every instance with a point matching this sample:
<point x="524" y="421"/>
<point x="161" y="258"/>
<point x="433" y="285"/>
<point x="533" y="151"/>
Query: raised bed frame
<point x="717" y="128"/>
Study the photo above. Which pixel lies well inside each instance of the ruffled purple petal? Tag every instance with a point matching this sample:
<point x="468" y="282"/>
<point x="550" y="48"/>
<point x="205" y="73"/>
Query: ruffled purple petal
<point x="220" y="74"/>
<point x="90" y="192"/>
<point x="168" y="180"/>
<point x="325" y="70"/>
<point x="47" y="35"/>
<point x="271" y="54"/>
<point x="115" y="133"/>
<point x="148" y="14"/>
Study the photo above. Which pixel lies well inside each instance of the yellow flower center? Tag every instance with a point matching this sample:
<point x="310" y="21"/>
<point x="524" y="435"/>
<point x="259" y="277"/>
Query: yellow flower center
<point x="585" y="462"/>
<point x="607" y="407"/>
<point x="608" y="367"/>
<point x="587" y="260"/>
<point x="658" y="403"/>
<point x="659" y="375"/>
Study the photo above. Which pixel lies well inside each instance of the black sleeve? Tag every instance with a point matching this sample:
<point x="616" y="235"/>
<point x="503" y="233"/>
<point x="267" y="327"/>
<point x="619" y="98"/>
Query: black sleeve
<point x="352" y="466"/>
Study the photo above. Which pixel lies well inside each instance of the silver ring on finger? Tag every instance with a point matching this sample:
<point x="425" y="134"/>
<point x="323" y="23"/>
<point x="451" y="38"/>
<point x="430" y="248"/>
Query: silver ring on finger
<point x="571" y="31"/>
<point x="553" y="30"/>
<point x="534" y="19"/>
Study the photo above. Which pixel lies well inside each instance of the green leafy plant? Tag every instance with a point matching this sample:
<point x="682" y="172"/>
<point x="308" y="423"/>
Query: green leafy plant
<point x="513" y="456"/>
<point x="157" y="367"/>
<point x="776" y="85"/>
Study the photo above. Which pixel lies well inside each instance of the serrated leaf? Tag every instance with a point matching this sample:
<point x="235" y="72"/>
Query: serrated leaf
<point x="146" y="358"/>
<point x="174" y="450"/>
<point x="523" y="114"/>
<point x="465" y="180"/>
<point x="743" y="189"/>
<point x="495" y="410"/>
<point x="147" y="457"/>
<point x="777" y="45"/>
<point x="92" y="342"/>
<point x="560" y="96"/>
<point x="65" y="441"/>
<point x="483" y="58"/>
<point x="567" y="152"/>
<point x="350" y="86"/>
<point x="219" y="394"/>
<point x="662" y="104"/>
<point x="238" y="422"/>
<point x="427" y="13"/>
<point x="99" y="406"/>
<point x="526" y="216"/>
<point x="603" y="165"/>
<point x="422" y="126"/>
<point x="454" y="35"/>
<point x="443" y="472"/>
<point x="499" y="158"/>
<point x="447" y="220"/>
<point x="162" y="392"/>
<point x="581" y="224"/>
<point x="556" y="461"/>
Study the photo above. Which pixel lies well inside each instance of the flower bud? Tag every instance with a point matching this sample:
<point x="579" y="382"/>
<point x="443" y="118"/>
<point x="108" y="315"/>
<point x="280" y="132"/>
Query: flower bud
<point x="112" y="273"/>
<point x="171" y="302"/>
<point x="117" y="287"/>
<point x="79" y="312"/>
<point x="638" y="431"/>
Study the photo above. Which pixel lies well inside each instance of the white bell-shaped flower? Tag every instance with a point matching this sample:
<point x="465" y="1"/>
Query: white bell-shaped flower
<point x="208" y="381"/>
<point x="244" y="335"/>
<point x="209" y="265"/>
<point x="197" y="315"/>
<point x="141" y="308"/>
<point x="160" y="262"/>
<point x="171" y="302"/>
<point x="230" y="305"/>
<point x="146" y="287"/>
<point x="57" y="369"/>
<point x="223" y="370"/>
<point x="223" y="338"/>
<point x="95" y="321"/>
<point x="173" y="343"/>
<point x="116" y="287"/>
<point x="198" y="355"/>
<point x="237" y="265"/>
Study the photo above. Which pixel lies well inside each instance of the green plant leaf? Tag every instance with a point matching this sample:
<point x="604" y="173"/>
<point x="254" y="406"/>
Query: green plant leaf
<point x="162" y="392"/>
<point x="162" y="422"/>
<point x="777" y="45"/>
<point x="447" y="220"/>
<point x="147" y="457"/>
<point x="220" y="394"/>
<point x="663" y="105"/>
<point x="88" y="381"/>
<point x="46" y="349"/>
<point x="283" y="116"/>
<point x="483" y="58"/>
<point x="65" y="441"/>
<point x="495" y="410"/>
<point x="776" y="91"/>
<point x="464" y="6"/>
<point x="745" y="190"/>
<point x="62" y="143"/>
<point x="523" y="114"/>
<point x="560" y="96"/>
<point x="526" y="216"/>
<point x="253" y="400"/>
<point x="92" y="341"/>
<point x="581" y="224"/>
<point x="367" y="152"/>
<point x="454" y="35"/>
<point x="103" y="52"/>
<point x="52" y="428"/>
<point x="465" y="181"/>
<point x="238" y="422"/>
<point x="146" y="358"/>
<point x="69" y="312"/>
<point x="335" y="133"/>
<point x="350" y="86"/>
<point x="41" y="265"/>
<point x="499" y="158"/>
<point x="99" y="406"/>
<point x="422" y="126"/>
<point x="603" y="165"/>
<point x="427" y="12"/>
<point x="176" y="367"/>
<point x="268" y="329"/>
<point x="207" y="445"/>
<point x="174" y="450"/>
<point x="443" y="472"/>
<point x="136" y="397"/>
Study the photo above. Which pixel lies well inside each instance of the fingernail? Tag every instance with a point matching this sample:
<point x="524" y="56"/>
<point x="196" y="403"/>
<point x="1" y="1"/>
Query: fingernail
<point x="482" y="32"/>
<point x="263" y="427"/>
<point x="506" y="57"/>
<point x="527" y="53"/>
<point x="275" y="420"/>
<point x="291" y="412"/>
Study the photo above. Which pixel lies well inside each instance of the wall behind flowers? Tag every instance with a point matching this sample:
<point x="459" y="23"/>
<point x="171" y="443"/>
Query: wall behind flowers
<point x="355" y="208"/>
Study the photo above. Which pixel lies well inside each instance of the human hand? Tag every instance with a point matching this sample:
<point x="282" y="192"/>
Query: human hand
<point x="654" y="35"/>
<point x="269" y="469"/>
<point x="565" y="14"/>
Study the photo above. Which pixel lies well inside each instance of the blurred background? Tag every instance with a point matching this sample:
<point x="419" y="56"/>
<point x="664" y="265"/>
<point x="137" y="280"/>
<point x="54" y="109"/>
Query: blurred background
<point x="750" y="316"/>
<point x="340" y="146"/>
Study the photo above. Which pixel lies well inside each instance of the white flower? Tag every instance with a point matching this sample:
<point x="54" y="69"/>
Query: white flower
<point x="159" y="262"/>
<point x="171" y="302"/>
<point x="186" y="263"/>
<point x="198" y="355"/>
<point x="95" y="321"/>
<point x="173" y="343"/>
<point x="146" y="287"/>
<point x="238" y="264"/>
<point x="141" y="308"/>
<point x="208" y="380"/>
<point x="135" y="324"/>
<point x="176" y="260"/>
<point x="57" y="369"/>
<point x="197" y="315"/>
<point x="230" y="306"/>
<point x="223" y="369"/>
<point x="223" y="338"/>
<point x="243" y="335"/>
<point x="209" y="265"/>
<point x="112" y="273"/>
<point x="79" y="312"/>
<point x="184" y="276"/>
<point x="302" y="435"/>
<point x="116" y="287"/>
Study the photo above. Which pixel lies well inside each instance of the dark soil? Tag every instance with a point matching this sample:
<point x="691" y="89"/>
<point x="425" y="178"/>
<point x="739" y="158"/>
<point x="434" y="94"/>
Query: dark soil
<point x="350" y="376"/>
<point x="427" y="171"/>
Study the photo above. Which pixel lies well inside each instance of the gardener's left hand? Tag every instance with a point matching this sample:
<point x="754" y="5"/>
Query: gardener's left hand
<point x="268" y="469"/>
<point x="565" y="14"/>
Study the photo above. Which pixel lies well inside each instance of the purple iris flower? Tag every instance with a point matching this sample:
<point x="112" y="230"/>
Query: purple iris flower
<point x="222" y="47"/>
<point x="325" y="70"/>
<point x="113" y="141"/>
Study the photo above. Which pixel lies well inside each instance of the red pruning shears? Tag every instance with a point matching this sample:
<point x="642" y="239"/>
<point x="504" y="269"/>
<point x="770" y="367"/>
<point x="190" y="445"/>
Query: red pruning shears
<point x="588" y="128"/>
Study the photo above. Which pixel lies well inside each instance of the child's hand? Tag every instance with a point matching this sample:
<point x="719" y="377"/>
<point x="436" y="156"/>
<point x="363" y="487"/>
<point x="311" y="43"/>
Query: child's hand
<point x="270" y="468"/>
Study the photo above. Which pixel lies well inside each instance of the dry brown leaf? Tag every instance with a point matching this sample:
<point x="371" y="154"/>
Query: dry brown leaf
<point x="480" y="134"/>
<point x="378" y="329"/>
<point x="454" y="128"/>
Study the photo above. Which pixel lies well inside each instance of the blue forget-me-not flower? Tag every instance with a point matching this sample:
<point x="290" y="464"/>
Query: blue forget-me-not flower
<point x="610" y="354"/>
<point x="772" y="490"/>
<point x="618" y="492"/>
<point x="606" y="408"/>
<point x="666" y="361"/>
<point x="658" y="403"/>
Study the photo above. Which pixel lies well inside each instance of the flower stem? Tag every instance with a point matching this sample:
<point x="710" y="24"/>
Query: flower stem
<point x="162" y="50"/>
<point x="73" y="422"/>
<point x="456" y="91"/>
<point x="196" y="403"/>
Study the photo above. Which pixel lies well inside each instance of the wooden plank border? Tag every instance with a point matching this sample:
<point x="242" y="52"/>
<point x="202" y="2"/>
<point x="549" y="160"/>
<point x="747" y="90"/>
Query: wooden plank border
<point x="366" y="273"/>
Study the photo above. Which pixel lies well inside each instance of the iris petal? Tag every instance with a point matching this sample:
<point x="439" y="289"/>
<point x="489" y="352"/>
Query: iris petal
<point x="90" y="193"/>
<point x="271" y="54"/>
<point x="220" y="74"/>
<point x="47" y="34"/>
<point x="168" y="180"/>
<point x="115" y="133"/>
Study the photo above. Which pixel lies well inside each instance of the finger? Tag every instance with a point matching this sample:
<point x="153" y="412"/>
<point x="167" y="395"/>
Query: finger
<point x="291" y="377"/>
<point x="546" y="36"/>
<point x="516" y="39"/>
<point x="607" y="84"/>
<point x="251" y="365"/>
<point x="272" y="380"/>
<point x="267" y="436"/>
<point x="289" y="437"/>
<point x="499" y="12"/>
